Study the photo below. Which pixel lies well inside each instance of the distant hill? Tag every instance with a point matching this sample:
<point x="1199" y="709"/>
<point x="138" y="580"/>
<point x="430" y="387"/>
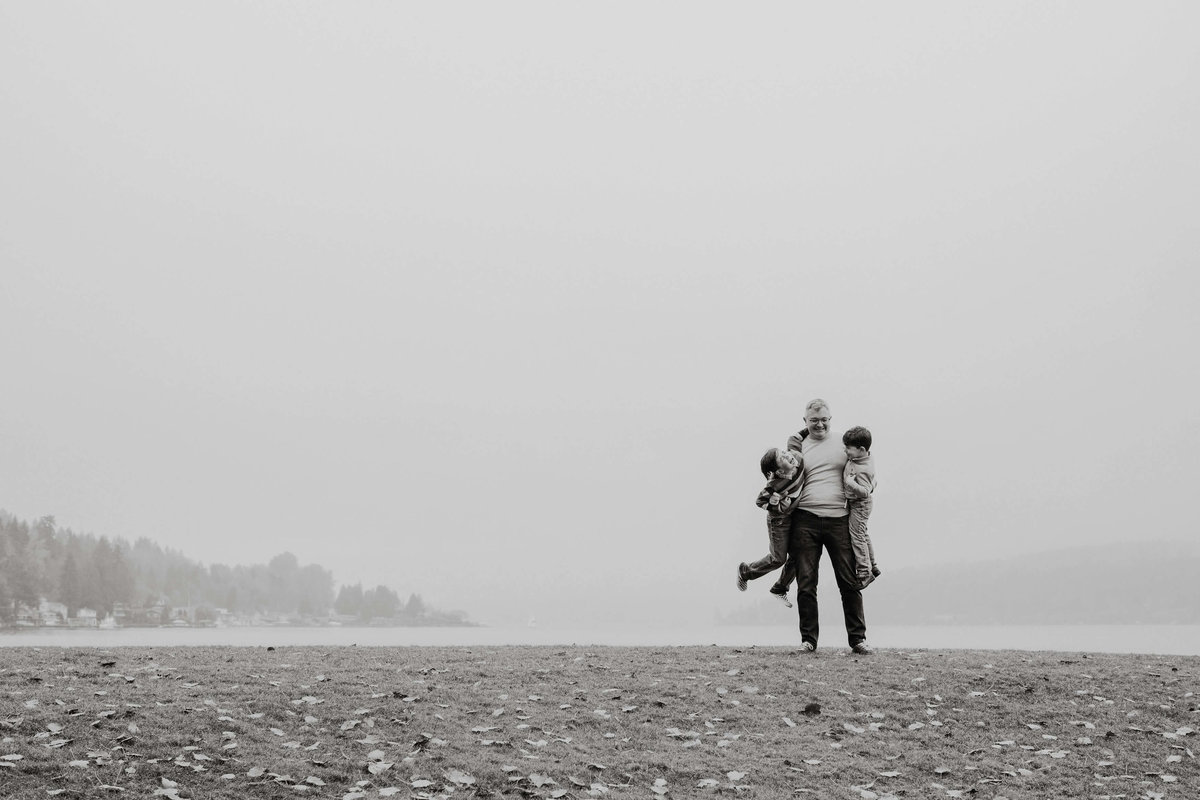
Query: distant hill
<point x="1139" y="583"/>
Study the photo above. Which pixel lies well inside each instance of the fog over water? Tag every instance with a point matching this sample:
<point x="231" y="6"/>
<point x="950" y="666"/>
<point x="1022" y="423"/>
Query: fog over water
<point x="502" y="304"/>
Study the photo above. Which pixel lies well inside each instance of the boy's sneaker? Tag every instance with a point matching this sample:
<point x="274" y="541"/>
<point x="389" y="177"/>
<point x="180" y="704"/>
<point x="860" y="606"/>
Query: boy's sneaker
<point x="807" y="647"/>
<point x="876" y="571"/>
<point x="862" y="649"/>
<point x="742" y="577"/>
<point x="783" y="598"/>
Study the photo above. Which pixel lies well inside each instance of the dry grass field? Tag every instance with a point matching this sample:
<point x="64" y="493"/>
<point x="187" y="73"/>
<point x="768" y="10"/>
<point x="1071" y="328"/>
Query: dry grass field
<point x="551" y="722"/>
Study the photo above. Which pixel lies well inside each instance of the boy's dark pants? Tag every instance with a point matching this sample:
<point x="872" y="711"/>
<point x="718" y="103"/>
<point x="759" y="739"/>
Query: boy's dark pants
<point x="808" y="535"/>
<point x="778" y="532"/>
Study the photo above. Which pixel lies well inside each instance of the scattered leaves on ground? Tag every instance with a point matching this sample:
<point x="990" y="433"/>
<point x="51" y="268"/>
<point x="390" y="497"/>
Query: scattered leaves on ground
<point x="582" y="722"/>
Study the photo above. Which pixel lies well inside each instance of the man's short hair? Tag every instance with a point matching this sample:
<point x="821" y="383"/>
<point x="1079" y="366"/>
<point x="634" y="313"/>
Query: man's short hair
<point x="815" y="405"/>
<point x="858" y="436"/>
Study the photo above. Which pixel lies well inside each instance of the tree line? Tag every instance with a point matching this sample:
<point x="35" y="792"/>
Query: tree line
<point x="43" y="561"/>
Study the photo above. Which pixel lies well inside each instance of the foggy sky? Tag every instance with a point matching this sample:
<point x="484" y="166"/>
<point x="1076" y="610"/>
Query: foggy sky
<point x="502" y="304"/>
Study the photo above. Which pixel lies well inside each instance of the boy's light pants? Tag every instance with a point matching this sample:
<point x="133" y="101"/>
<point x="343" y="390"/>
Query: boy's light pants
<point x="864" y="554"/>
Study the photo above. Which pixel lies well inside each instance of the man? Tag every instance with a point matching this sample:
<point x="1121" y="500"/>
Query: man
<point x="820" y="520"/>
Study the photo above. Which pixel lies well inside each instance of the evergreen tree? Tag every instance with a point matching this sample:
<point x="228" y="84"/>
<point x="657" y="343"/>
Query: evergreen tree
<point x="7" y="600"/>
<point x="283" y="586"/>
<point x="70" y="581"/>
<point x="414" y="609"/>
<point x="316" y="590"/>
<point x="381" y="602"/>
<point x="349" y="600"/>
<point x="19" y="572"/>
<point x="45" y="557"/>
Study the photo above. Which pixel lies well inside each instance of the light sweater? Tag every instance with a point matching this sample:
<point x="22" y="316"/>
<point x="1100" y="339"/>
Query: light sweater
<point x="859" y="477"/>
<point x="823" y="492"/>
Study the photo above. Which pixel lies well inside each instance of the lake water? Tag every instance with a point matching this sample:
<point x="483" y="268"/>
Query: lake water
<point x="1152" y="639"/>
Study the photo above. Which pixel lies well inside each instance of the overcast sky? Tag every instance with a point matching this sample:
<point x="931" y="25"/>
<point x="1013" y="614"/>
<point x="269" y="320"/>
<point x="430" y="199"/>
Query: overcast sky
<point x="501" y="303"/>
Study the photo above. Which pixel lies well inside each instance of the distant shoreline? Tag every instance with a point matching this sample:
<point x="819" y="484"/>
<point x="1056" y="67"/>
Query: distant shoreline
<point x="1142" y="639"/>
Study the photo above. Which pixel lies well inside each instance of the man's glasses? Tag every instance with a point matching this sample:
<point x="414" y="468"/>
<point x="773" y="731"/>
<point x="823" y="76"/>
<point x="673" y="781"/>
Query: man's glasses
<point x="823" y="420"/>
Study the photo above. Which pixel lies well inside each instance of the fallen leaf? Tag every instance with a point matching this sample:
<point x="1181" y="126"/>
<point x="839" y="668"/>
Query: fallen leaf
<point x="457" y="776"/>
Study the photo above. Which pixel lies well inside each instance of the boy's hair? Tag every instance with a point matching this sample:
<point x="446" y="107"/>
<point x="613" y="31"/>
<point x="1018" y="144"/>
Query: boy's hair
<point x="769" y="462"/>
<point x="858" y="436"/>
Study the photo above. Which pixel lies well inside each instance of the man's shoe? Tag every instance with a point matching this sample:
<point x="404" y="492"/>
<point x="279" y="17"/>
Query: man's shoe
<point x="862" y="649"/>
<point x="742" y="577"/>
<point x="783" y="598"/>
<point x="807" y="647"/>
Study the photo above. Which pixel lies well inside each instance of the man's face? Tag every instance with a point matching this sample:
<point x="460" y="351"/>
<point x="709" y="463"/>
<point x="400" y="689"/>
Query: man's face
<point x="818" y="423"/>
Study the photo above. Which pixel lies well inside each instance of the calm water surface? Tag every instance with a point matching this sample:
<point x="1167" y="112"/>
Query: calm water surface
<point x="1155" y="639"/>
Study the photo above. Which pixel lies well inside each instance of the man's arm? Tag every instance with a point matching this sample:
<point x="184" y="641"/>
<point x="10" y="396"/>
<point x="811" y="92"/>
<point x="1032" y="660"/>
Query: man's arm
<point x="796" y="440"/>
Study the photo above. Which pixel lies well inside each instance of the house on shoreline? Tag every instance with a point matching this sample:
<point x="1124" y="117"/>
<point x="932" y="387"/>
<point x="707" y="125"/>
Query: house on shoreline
<point x="50" y="614"/>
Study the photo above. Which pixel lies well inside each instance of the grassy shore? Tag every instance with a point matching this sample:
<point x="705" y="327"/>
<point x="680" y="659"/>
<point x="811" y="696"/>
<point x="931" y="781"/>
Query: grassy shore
<point x="579" y="722"/>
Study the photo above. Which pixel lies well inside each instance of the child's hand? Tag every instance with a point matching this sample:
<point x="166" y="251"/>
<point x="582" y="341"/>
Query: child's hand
<point x="775" y="498"/>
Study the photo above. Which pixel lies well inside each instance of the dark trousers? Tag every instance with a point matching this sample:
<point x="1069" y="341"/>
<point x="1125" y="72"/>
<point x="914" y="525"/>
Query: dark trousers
<point x="809" y="534"/>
